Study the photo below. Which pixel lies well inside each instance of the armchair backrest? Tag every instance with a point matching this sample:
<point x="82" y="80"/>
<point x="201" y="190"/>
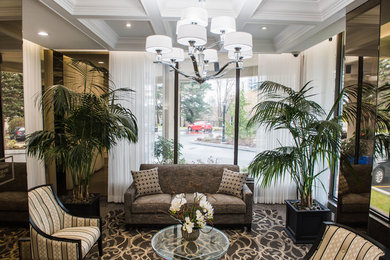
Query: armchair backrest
<point x="44" y="209"/>
<point x="341" y="242"/>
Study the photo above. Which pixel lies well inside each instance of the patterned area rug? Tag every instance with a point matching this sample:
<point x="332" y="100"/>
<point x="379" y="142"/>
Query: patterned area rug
<point x="9" y="241"/>
<point x="267" y="240"/>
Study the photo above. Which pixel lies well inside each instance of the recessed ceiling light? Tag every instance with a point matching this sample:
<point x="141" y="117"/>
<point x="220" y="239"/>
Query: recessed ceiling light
<point x="101" y="62"/>
<point x="264" y="28"/>
<point x="128" y="25"/>
<point x="42" y="33"/>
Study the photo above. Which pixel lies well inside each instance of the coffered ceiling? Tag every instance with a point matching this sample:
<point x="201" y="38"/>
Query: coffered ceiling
<point x="291" y="25"/>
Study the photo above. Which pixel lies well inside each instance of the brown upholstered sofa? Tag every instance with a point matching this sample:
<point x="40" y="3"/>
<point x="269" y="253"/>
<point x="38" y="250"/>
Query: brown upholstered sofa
<point x="13" y="196"/>
<point x="188" y="178"/>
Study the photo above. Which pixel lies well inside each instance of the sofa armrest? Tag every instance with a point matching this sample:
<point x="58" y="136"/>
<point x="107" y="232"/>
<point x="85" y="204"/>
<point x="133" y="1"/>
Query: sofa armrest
<point x="128" y="201"/>
<point x="130" y="194"/>
<point x="247" y="197"/>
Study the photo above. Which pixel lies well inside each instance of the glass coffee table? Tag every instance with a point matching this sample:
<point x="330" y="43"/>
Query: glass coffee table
<point x="169" y="244"/>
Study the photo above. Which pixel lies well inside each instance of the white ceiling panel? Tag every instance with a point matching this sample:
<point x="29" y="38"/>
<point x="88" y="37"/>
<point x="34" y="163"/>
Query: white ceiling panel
<point x="101" y="23"/>
<point x="62" y="35"/>
<point x="137" y="28"/>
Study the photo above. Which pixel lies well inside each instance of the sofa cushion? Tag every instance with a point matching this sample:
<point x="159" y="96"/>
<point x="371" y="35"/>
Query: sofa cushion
<point x="146" y="182"/>
<point x="226" y="204"/>
<point x="232" y="183"/>
<point x="13" y="201"/>
<point x="156" y="203"/>
<point x="189" y="178"/>
<point x="356" y="202"/>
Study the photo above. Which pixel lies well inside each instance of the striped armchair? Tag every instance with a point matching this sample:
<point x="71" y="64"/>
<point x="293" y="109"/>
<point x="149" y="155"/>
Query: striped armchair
<point x="55" y="233"/>
<point x="341" y="242"/>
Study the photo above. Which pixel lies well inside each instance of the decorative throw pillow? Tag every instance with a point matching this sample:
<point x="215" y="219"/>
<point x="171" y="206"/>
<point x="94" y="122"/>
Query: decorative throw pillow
<point x="146" y="182"/>
<point x="232" y="182"/>
<point x="343" y="184"/>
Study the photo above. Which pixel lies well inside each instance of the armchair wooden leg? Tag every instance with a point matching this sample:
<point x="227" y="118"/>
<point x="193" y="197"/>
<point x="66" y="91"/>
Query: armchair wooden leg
<point x="100" y="246"/>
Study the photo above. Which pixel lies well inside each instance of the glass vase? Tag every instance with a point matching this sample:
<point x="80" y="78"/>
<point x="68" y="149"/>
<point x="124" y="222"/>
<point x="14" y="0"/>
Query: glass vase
<point x="190" y="236"/>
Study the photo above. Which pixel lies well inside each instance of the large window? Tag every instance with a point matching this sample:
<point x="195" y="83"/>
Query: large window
<point x="12" y="103"/>
<point x="206" y="115"/>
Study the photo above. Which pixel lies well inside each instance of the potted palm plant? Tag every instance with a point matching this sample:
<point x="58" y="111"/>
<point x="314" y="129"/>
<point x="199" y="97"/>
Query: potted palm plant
<point x="88" y="123"/>
<point x="315" y="140"/>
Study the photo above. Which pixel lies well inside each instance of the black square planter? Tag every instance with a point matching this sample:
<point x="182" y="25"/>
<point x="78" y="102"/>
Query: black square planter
<point x="91" y="209"/>
<point x="303" y="226"/>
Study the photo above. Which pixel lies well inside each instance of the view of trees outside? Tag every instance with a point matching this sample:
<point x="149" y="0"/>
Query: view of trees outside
<point x="207" y="121"/>
<point x="13" y="111"/>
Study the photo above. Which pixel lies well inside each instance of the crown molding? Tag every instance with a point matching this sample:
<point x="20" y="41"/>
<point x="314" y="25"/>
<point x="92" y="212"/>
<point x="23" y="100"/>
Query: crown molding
<point x="102" y="30"/>
<point x="290" y="34"/>
<point x="289" y="16"/>
<point x="316" y="34"/>
<point x="68" y="5"/>
<point x="334" y="8"/>
<point x="98" y="11"/>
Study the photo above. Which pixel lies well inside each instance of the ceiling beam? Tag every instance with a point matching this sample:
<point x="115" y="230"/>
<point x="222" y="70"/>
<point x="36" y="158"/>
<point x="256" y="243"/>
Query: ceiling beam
<point x="246" y="12"/>
<point x="153" y="12"/>
<point x="64" y="14"/>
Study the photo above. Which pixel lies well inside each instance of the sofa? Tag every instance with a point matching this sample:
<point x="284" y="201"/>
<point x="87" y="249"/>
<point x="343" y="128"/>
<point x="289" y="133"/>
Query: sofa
<point x="13" y="194"/>
<point x="188" y="178"/>
<point x="354" y="194"/>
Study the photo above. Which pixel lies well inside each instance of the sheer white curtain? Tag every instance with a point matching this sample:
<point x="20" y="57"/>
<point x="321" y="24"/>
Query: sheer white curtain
<point x="33" y="121"/>
<point x="134" y="70"/>
<point x="283" y="69"/>
<point x="319" y="66"/>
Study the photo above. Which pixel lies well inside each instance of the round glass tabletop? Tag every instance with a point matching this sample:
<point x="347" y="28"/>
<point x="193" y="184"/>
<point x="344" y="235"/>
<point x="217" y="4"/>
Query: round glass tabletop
<point x="169" y="244"/>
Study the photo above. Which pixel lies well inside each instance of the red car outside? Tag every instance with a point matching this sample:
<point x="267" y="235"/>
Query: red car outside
<point x="200" y="126"/>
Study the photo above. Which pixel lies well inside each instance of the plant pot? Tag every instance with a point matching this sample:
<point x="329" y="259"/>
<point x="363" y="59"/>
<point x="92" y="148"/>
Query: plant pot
<point x="303" y="226"/>
<point x="90" y="208"/>
<point x="190" y="236"/>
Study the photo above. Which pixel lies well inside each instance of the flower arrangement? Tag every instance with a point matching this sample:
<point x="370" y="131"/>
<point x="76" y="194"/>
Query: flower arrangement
<point x="196" y="216"/>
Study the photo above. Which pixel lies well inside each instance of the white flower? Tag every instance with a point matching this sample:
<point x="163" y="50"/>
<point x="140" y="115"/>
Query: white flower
<point x="180" y="196"/>
<point x="177" y="202"/>
<point x="199" y="196"/>
<point x="188" y="226"/>
<point x="203" y="202"/>
<point x="200" y="220"/>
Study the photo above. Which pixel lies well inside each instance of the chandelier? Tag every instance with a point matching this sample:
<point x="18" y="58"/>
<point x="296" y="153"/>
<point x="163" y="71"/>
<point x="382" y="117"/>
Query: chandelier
<point x="191" y="31"/>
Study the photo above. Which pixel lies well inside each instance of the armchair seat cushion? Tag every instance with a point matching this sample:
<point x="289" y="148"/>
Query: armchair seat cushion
<point x="355" y="202"/>
<point x="155" y="203"/>
<point x="87" y="235"/>
<point x="13" y="201"/>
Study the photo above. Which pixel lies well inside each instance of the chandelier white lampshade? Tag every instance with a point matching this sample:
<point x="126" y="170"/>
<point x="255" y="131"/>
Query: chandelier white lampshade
<point x="210" y="55"/>
<point x="178" y="24"/>
<point x="195" y="15"/>
<point x="192" y="32"/>
<point x="241" y="40"/>
<point x="244" y="54"/>
<point x="176" y="54"/>
<point x="223" y="24"/>
<point x="160" y="43"/>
